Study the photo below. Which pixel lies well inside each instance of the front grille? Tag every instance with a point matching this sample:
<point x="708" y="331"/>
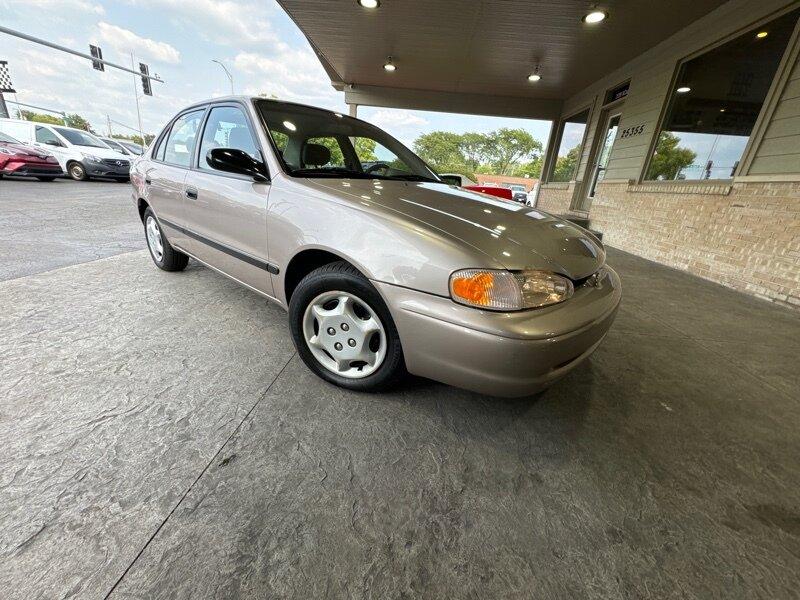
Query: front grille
<point x="114" y="162"/>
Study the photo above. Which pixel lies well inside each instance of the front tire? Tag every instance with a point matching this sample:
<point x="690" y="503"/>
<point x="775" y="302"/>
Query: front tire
<point x="77" y="171"/>
<point x="343" y="330"/>
<point x="163" y="254"/>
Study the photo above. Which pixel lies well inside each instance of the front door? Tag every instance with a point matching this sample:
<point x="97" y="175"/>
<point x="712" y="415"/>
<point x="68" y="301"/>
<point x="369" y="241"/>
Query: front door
<point x="226" y="214"/>
<point x="601" y="156"/>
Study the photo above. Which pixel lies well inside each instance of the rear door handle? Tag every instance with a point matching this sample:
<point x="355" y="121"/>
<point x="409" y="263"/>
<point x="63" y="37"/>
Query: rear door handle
<point x="191" y="193"/>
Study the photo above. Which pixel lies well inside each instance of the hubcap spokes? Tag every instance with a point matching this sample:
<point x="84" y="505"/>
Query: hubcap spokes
<point x="154" y="238"/>
<point x="344" y="334"/>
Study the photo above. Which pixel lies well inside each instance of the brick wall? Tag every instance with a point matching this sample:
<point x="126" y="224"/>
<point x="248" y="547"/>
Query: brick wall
<point x="745" y="236"/>
<point x="555" y="199"/>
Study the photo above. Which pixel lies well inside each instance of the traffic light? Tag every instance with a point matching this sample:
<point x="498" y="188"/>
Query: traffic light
<point x="97" y="53"/>
<point x="145" y="71"/>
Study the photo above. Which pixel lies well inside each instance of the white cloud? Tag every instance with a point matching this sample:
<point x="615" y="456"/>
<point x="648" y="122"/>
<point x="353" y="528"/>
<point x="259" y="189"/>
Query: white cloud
<point x="124" y="40"/>
<point x="46" y="6"/>
<point x="290" y="74"/>
<point x="224" y="22"/>
<point x="397" y="118"/>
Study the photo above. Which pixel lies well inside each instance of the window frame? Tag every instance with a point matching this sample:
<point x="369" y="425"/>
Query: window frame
<point x="547" y="177"/>
<point x="195" y="164"/>
<point x="785" y="66"/>
<point x="168" y="129"/>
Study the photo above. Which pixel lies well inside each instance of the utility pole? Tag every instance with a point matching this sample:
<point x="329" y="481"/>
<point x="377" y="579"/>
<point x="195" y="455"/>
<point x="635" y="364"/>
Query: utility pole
<point x="108" y="121"/>
<point x="136" y="94"/>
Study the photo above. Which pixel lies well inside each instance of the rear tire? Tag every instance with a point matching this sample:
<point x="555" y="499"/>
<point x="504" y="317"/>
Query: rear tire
<point x="77" y="171"/>
<point x="163" y="254"/>
<point x="358" y="349"/>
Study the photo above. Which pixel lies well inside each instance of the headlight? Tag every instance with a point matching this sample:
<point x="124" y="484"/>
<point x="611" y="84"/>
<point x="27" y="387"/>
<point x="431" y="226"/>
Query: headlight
<point x="91" y="157"/>
<point x="504" y="290"/>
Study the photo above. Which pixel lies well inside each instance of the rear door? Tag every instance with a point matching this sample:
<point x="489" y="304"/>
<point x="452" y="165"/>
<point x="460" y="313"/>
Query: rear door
<point x="165" y="175"/>
<point x="226" y="214"/>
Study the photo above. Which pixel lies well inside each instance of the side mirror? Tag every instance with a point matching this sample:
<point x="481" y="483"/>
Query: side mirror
<point x="54" y="143"/>
<point x="233" y="160"/>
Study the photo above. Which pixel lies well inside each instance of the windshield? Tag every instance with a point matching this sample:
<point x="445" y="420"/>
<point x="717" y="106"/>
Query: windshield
<point x="7" y="139"/>
<point x="135" y="148"/>
<point x="80" y="138"/>
<point x="114" y="146"/>
<point x="318" y="143"/>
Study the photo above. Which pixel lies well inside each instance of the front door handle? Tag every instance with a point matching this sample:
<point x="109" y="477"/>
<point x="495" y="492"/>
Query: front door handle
<point x="191" y="193"/>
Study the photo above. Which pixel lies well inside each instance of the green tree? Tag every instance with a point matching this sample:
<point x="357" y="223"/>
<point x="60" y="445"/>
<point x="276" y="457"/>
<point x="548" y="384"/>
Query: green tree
<point x="474" y="149"/>
<point x="136" y="139"/>
<point x="506" y="147"/>
<point x="29" y="115"/>
<point x="78" y="122"/>
<point x="669" y="159"/>
<point x="532" y="168"/>
<point x="566" y="165"/>
<point x="441" y="150"/>
<point x="365" y="149"/>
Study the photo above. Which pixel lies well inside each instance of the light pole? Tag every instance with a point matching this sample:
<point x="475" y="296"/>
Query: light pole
<point x="228" y="73"/>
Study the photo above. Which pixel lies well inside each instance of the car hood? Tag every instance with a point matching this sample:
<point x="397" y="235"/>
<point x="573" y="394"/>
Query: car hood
<point x="25" y="150"/>
<point x="102" y="152"/>
<point x="513" y="235"/>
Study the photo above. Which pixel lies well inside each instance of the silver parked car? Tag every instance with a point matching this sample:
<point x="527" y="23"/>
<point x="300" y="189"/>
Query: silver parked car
<point x="382" y="267"/>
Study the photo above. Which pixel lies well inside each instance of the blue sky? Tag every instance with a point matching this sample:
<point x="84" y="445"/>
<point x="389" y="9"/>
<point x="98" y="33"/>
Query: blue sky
<point x="260" y="45"/>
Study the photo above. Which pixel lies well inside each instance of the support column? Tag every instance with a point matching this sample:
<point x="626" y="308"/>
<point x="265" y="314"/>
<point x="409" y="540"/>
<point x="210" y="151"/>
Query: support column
<point x="353" y="110"/>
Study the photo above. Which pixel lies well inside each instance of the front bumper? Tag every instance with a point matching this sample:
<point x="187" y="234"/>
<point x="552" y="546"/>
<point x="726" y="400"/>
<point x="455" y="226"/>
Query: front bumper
<point x="32" y="169"/>
<point x="501" y="354"/>
<point x="107" y="168"/>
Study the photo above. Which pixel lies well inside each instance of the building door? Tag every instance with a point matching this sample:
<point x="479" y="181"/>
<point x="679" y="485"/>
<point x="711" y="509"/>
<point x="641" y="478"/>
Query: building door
<point x="601" y="154"/>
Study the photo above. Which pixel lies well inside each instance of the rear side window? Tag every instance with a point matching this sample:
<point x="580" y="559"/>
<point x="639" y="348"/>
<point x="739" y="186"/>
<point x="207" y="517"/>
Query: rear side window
<point x="44" y="136"/>
<point x="227" y="127"/>
<point x="178" y="146"/>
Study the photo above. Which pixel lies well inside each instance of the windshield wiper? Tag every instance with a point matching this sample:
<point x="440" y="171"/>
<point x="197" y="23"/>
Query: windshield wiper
<point x="412" y="178"/>
<point x="334" y="171"/>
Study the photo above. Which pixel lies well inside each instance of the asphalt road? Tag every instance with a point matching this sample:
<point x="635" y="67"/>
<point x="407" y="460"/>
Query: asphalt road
<point x="161" y="439"/>
<point x="44" y="226"/>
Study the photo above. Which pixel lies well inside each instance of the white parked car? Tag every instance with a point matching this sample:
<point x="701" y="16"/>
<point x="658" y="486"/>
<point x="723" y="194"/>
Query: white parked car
<point x="80" y="154"/>
<point x="125" y="147"/>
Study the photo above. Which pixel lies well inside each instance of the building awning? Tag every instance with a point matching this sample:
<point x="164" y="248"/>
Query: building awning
<point x="475" y="56"/>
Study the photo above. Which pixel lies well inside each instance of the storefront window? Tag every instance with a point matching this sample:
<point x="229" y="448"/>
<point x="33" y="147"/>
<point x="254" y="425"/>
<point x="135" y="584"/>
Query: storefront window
<point x="715" y="103"/>
<point x="569" y="147"/>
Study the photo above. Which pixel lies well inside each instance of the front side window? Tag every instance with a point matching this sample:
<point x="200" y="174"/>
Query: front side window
<point x="45" y="136"/>
<point x="317" y="143"/>
<point x="79" y="138"/>
<point x="570" y="141"/>
<point x="178" y="146"/>
<point x="715" y="103"/>
<point x="226" y="127"/>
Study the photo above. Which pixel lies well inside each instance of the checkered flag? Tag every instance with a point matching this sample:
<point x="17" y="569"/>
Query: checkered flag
<point x="5" y="79"/>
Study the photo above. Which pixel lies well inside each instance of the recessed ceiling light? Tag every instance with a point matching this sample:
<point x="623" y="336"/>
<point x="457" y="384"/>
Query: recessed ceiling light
<point x="290" y="126"/>
<point x="369" y="3"/>
<point x="721" y="110"/>
<point x="534" y="77"/>
<point x="595" y="17"/>
<point x="762" y="34"/>
<point x="389" y="66"/>
<point x="684" y="89"/>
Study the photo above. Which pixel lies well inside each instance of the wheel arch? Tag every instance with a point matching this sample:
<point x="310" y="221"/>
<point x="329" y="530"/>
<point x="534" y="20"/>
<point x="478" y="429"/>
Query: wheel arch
<point x="306" y="261"/>
<point x="141" y="206"/>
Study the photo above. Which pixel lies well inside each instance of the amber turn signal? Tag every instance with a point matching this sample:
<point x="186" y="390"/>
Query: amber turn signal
<point x="474" y="287"/>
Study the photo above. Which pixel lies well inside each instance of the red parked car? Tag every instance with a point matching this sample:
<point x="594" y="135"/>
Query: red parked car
<point x="18" y="159"/>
